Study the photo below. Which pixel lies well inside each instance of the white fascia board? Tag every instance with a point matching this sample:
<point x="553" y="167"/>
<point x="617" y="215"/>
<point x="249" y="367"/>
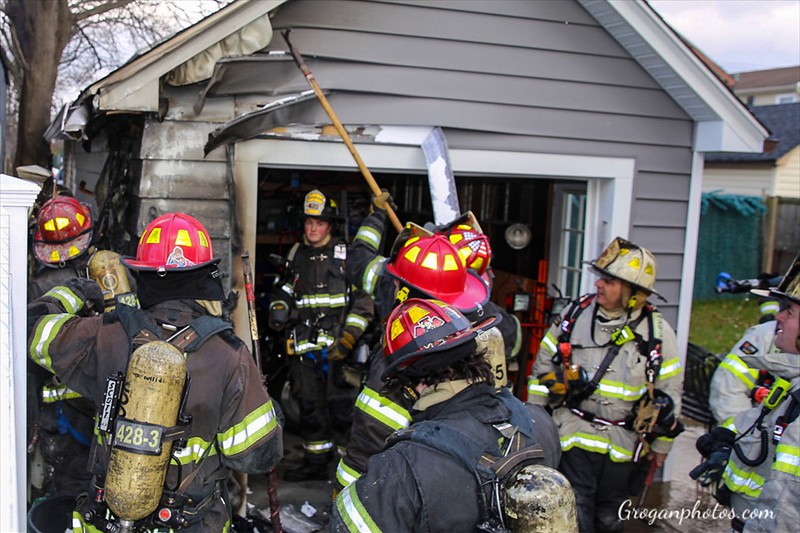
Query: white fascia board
<point x="743" y="133"/>
<point x="116" y="90"/>
<point x="721" y="136"/>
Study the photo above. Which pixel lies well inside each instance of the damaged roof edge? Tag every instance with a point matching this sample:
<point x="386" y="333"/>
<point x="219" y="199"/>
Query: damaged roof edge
<point x="659" y="50"/>
<point x="134" y="86"/>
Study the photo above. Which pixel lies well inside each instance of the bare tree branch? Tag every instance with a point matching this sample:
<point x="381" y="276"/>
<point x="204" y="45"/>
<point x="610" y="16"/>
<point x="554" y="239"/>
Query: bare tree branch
<point x="100" y="9"/>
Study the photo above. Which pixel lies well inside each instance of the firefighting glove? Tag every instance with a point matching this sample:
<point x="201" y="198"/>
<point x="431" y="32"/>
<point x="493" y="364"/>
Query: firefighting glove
<point x="88" y="292"/>
<point x="561" y="381"/>
<point x="380" y="202"/>
<point x="716" y="448"/>
<point x="341" y="348"/>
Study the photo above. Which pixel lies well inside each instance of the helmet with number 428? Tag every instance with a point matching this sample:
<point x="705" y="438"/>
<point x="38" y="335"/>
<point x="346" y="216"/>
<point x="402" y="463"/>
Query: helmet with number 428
<point x="63" y="231"/>
<point x="175" y="241"/>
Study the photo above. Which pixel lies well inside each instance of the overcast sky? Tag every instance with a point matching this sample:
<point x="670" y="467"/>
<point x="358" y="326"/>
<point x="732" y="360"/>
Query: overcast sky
<point x="738" y="35"/>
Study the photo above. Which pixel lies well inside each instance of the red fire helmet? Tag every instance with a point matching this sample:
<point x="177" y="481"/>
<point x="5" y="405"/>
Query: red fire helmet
<point x="432" y="265"/>
<point x="63" y="232"/>
<point x="170" y="242"/>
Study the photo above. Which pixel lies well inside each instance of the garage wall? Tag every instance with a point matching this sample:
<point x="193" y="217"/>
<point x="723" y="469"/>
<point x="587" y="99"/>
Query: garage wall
<point x="538" y="76"/>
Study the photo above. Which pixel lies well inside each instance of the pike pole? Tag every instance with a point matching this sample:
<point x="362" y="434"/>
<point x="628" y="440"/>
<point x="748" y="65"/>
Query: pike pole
<point x="272" y="476"/>
<point x="373" y="185"/>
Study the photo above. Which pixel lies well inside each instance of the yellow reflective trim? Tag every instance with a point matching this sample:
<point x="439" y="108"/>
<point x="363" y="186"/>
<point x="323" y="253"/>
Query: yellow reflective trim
<point x="431" y="261"/>
<point x="411" y="241"/>
<point x="733" y="364"/>
<point x="50" y="225"/>
<point x="80" y="218"/>
<point x="62" y="222"/>
<point x="154" y="237"/>
<point x="417" y="313"/>
<point x="635" y="263"/>
<point x="352" y="512"/>
<point x="450" y="262"/>
<point x="202" y="237"/>
<point x="742" y="481"/>
<point x="345" y="474"/>
<point x="597" y="444"/>
<point x="73" y="251"/>
<point x="455" y="237"/>
<point x="549" y="343"/>
<point x="787" y="459"/>
<point x="183" y="238"/>
<point x="412" y="254"/>
<point x="54" y="256"/>
<point x="397" y="328"/>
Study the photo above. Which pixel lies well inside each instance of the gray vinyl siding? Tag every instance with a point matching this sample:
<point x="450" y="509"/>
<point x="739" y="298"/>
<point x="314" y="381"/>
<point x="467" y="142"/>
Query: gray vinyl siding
<point x="518" y="75"/>
<point x="532" y="76"/>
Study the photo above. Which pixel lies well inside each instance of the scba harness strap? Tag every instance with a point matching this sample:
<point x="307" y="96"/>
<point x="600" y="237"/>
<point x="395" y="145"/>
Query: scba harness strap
<point x="649" y="348"/>
<point x="491" y="468"/>
<point x="646" y="347"/>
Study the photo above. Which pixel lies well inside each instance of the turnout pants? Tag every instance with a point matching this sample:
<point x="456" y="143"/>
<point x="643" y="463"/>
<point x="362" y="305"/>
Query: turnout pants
<point x="326" y="406"/>
<point x="600" y="485"/>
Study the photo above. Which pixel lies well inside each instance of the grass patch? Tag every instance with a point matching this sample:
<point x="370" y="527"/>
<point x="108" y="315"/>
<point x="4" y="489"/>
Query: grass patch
<point x="718" y="324"/>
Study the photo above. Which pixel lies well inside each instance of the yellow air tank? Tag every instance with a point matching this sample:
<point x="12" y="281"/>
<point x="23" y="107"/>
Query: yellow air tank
<point x="105" y="269"/>
<point x="139" y="459"/>
<point x="492" y="341"/>
<point x="539" y="499"/>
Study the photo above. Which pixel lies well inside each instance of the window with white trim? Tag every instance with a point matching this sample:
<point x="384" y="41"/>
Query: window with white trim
<point x="571" y="240"/>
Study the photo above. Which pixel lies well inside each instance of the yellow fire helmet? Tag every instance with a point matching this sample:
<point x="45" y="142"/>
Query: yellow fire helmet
<point x="317" y="205"/>
<point x="628" y="262"/>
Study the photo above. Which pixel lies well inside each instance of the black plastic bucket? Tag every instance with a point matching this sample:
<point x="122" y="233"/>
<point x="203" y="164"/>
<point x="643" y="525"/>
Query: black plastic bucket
<point x="51" y="515"/>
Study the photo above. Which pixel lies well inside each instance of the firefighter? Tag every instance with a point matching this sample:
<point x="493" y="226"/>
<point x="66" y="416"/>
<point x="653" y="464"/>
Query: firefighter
<point x="61" y="421"/>
<point x="224" y="418"/>
<point x="745" y="375"/>
<point x="427" y="478"/>
<point x="327" y="320"/>
<point x="609" y="370"/>
<point x="408" y="273"/>
<point x="758" y="453"/>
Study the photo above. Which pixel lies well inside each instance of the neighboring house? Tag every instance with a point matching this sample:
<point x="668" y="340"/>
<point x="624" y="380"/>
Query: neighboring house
<point x="768" y="87"/>
<point x="773" y="176"/>
<point x="773" y="173"/>
<point x="582" y="120"/>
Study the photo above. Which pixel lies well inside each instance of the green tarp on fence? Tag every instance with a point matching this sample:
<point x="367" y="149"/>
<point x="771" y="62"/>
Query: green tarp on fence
<point x="729" y="241"/>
